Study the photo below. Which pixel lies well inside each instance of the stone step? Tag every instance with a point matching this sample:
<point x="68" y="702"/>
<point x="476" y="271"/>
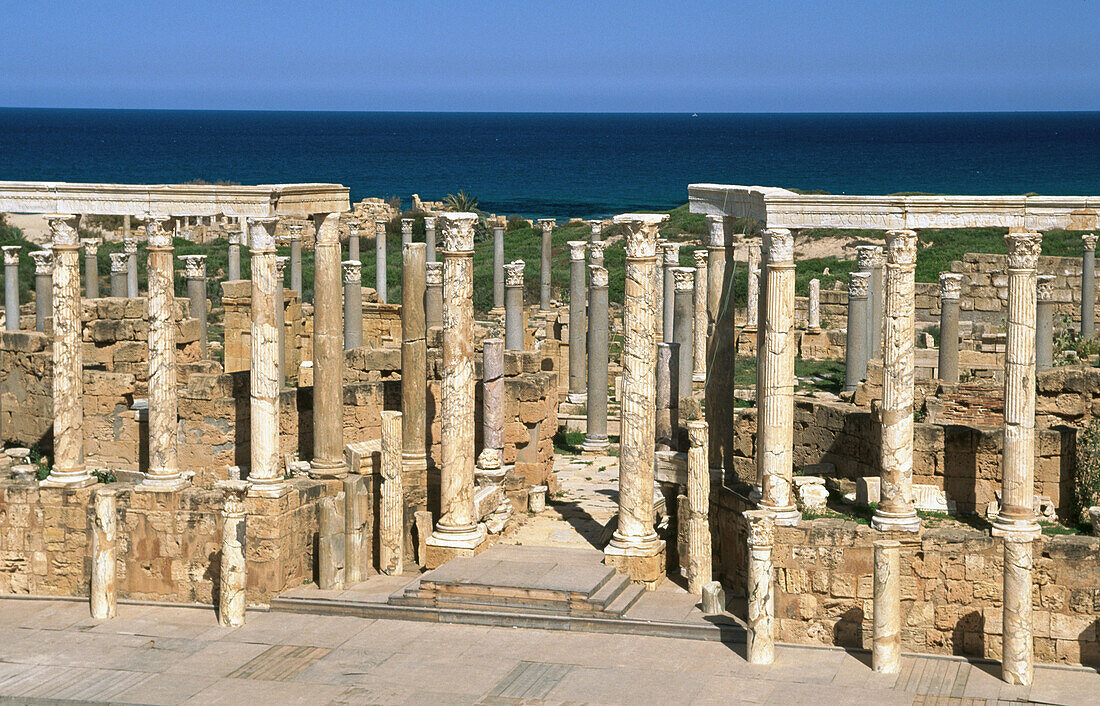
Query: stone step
<point x="610" y="590"/>
<point x="626" y="599"/>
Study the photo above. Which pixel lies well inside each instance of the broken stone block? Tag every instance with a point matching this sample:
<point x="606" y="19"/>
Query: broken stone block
<point x="868" y="490"/>
<point x="810" y="493"/>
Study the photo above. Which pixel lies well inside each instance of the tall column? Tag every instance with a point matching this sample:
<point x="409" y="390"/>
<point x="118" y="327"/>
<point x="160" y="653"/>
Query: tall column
<point x="295" y="238"/>
<point x="1044" y="322"/>
<point x="813" y="306"/>
<point x="353" y="239"/>
<point x="265" y="473"/>
<point x="391" y="525"/>
<point x="234" y="256"/>
<point x="596" y="249"/>
<point x="11" y="286"/>
<point x="1018" y="458"/>
<point x="775" y="419"/>
<point x="667" y="394"/>
<point x="1088" y="286"/>
<point x="698" y="505"/>
<point x="595" y="437"/>
<point x="950" y="289"/>
<point x="513" y="305"/>
<point x="433" y="294"/>
<point x="43" y="287"/>
<point x="118" y="273"/>
<point x="761" y="359"/>
<point x="125" y="226"/>
<point x="429" y="237"/>
<point x="457" y="531"/>
<point x="414" y="357"/>
<point x="104" y="569"/>
<point x="547" y="226"/>
<point x="232" y="581"/>
<point x="717" y="238"/>
<point x="131" y="248"/>
<point x="895" y="510"/>
<point x="594" y="234"/>
<point x="498" y="267"/>
<point x="353" y="304"/>
<point x="490" y="468"/>
<point x="752" y="296"/>
<point x="683" y="326"/>
<point x="671" y="260"/>
<point x="91" y="267"/>
<point x="407" y="230"/>
<point x="280" y="315"/>
<point x="635" y="548"/>
<point x="68" y="359"/>
<point x="328" y="351"/>
<point x="878" y="299"/>
<point x="699" y="317"/>
<point x="761" y="588"/>
<point x="577" y="353"/>
<point x="855" y="346"/>
<point x="380" y="260"/>
<point x="1017" y="653"/>
<point x="194" y="270"/>
<point x="886" y="631"/>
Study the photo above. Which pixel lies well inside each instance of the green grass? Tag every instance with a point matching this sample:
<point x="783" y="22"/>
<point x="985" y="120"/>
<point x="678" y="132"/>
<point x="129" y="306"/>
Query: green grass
<point x="568" y="442"/>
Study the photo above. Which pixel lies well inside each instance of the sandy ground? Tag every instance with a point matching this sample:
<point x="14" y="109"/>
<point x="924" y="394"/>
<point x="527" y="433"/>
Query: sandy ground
<point x="33" y="225"/>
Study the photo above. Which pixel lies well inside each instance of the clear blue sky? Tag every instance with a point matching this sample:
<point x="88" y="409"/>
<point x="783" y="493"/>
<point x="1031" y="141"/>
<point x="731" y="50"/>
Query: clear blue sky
<point x="519" y="55"/>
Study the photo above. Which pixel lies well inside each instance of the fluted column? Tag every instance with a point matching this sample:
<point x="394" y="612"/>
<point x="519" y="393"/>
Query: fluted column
<point x="414" y="356"/>
<point x="950" y="289"/>
<point x="513" y="305"/>
<point x="232" y="580"/>
<point x="752" y="308"/>
<point x="498" y="267"/>
<point x="433" y="294"/>
<point x="1018" y="471"/>
<point x="1088" y="286"/>
<point x="379" y="260"/>
<point x="43" y="287"/>
<point x="595" y="438"/>
<point x="596" y="249"/>
<point x="429" y="238"/>
<point x="699" y="318"/>
<point x="280" y="315"/>
<point x="670" y="259"/>
<point x="886" y="625"/>
<point x="194" y="270"/>
<point x="855" y="346"/>
<point x="1017" y="650"/>
<point x="353" y="239"/>
<point x="295" y="238"/>
<point x="353" y="304"/>
<point x="895" y="510"/>
<point x="328" y="351"/>
<point x="391" y="525"/>
<point x="577" y="351"/>
<point x="547" y="226"/>
<point x="130" y="247"/>
<point x="407" y="230"/>
<point x="91" y="267"/>
<point x="118" y="273"/>
<point x="761" y="588"/>
<point x="1044" y="322"/>
<point x="104" y="570"/>
<point x="234" y="256"/>
<point x="11" y="286"/>
<point x="698" y="506"/>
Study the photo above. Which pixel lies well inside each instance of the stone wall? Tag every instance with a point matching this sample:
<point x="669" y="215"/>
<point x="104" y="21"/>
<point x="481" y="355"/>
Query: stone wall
<point x="237" y="301"/>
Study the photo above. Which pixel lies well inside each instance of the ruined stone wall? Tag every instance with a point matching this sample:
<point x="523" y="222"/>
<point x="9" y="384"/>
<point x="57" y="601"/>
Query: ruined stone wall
<point x="237" y="301"/>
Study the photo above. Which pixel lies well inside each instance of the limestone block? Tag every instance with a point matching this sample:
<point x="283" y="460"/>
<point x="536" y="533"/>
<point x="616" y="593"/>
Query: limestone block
<point x="868" y="490"/>
<point x="811" y="494"/>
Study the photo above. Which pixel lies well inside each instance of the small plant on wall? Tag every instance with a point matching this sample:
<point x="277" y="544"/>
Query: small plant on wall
<point x="1087" y="479"/>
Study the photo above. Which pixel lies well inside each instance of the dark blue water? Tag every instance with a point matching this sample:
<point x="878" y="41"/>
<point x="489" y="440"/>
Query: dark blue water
<point x="561" y="164"/>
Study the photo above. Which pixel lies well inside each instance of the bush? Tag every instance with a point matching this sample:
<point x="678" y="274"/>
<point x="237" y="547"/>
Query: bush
<point x="1086" y="481"/>
<point x="517" y="223"/>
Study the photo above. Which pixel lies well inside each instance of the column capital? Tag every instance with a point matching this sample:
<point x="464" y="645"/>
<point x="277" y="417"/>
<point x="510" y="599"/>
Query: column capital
<point x="194" y="266"/>
<point x="458" y="231"/>
<point x="62" y="228"/>
<point x="598" y="273"/>
<point x="294" y="231"/>
<point x="859" y="284"/>
<point x="1044" y="288"/>
<point x="719" y="235"/>
<point x="901" y="248"/>
<point x="91" y="245"/>
<point x="155" y="233"/>
<point x="118" y="261"/>
<point x="407" y="226"/>
<point x="780" y="246"/>
<point x="433" y="274"/>
<point x="513" y="273"/>
<point x="353" y="226"/>
<point x="43" y="261"/>
<point x="547" y="224"/>
<point x="700" y="257"/>
<point x="596" y="226"/>
<point x="280" y="266"/>
<point x="867" y="256"/>
<point x="353" y="272"/>
<point x="11" y="254"/>
<point x="697" y="432"/>
<point x="1089" y="241"/>
<point x="1023" y="250"/>
<point x="950" y="285"/>
<point x="129" y="246"/>
<point x="235" y="237"/>
<point x="761" y="527"/>
<point x="327" y="228"/>
<point x="670" y="252"/>
<point x="497" y="230"/>
<point x="576" y="249"/>
<point x="261" y="233"/>
<point x="379" y="228"/>
<point x="429" y="222"/>
<point x="683" y="279"/>
<point x="597" y="249"/>
<point x="641" y="233"/>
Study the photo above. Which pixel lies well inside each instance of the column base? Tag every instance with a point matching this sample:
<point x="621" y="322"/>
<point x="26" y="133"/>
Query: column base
<point x="1003" y="526"/>
<point x="319" y="470"/>
<point x="787" y="516"/>
<point x="443" y="546"/>
<point x="895" y="522"/>
<point x="80" y="479"/>
<point x="268" y="490"/>
<point x="642" y="564"/>
<point x="595" y="446"/>
<point x="162" y="485"/>
<point x="576" y="397"/>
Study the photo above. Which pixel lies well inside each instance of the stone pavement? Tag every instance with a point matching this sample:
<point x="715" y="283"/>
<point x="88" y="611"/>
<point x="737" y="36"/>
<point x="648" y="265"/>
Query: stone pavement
<point x="52" y="652"/>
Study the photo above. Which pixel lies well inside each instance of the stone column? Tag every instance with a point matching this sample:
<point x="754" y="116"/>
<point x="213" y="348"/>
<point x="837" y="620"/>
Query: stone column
<point x="194" y="270"/>
<point x="760" y="594"/>
<point x="547" y="226"/>
<point x="91" y="267"/>
<point x="1018" y="458"/>
<point x="43" y="287"/>
<point x="265" y="474"/>
<point x="234" y="256"/>
<point x="1044" y="322"/>
<point x="406" y="230"/>
<point x="950" y="289"/>
<point x="353" y="304"/>
<point x="104" y="536"/>
<point x="596" y="249"/>
<point x="667" y="394"/>
<point x="670" y="257"/>
<point x="1088" y="286"/>
<point x="635" y="548"/>
<point x="878" y="299"/>
<point x="125" y="226"/>
<point x="752" y="296"/>
<point x="490" y="462"/>
<point x="118" y="273"/>
<point x="759" y="327"/>
<point x="513" y="305"/>
<point x="813" y="306"/>
<point x="457" y="532"/>
<point x="698" y="506"/>
<point x="130" y="247"/>
<point x="353" y="239"/>
<point x="391" y="527"/>
<point x="328" y="352"/>
<point x="699" y="318"/>
<point x="775" y="419"/>
<point x="683" y="326"/>
<point x="886" y="632"/>
<point x="232" y="581"/>
<point x="295" y="237"/>
<point x="595" y="438"/>
<point x="498" y="267"/>
<point x="855" y="346"/>
<point x="577" y="353"/>
<point x="414" y="357"/>
<point x="280" y="314"/>
<point x="429" y="237"/>
<point x="379" y="260"/>
<point x="68" y="359"/>
<point x="433" y="294"/>
<point x="11" y="286"/>
<point x="1017" y="649"/>
<point x="895" y="510"/>
<point x="358" y="531"/>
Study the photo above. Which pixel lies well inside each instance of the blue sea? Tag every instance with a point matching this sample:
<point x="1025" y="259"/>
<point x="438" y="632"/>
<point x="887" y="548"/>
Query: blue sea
<point x="557" y="164"/>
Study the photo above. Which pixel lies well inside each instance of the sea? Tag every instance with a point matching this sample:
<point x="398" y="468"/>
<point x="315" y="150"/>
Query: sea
<point x="561" y="164"/>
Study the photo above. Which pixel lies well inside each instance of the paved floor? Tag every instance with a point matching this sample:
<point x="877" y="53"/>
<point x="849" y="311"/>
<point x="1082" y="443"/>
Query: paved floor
<point x="51" y="652"/>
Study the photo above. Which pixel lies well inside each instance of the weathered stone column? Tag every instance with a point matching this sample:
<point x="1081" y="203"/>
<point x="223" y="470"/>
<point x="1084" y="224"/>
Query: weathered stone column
<point x="498" y="267"/>
<point x="234" y="256"/>
<point x="328" y="352"/>
<point x="104" y="571"/>
<point x="391" y="527"/>
<point x="118" y="273"/>
<point x="595" y="437"/>
<point x="91" y="267"/>
<point x="1088" y="286"/>
<point x="547" y="226"/>
<point x="414" y="357"/>
<point x="950" y="289"/>
<point x="717" y="239"/>
<point x="683" y="327"/>
<point x="577" y="350"/>
<point x="68" y="359"/>
<point x="358" y="530"/>
<point x="596" y="249"/>
<point x="433" y="294"/>
<point x="1044" y="322"/>
<point x="457" y="532"/>
<point x="886" y="631"/>
<point x="353" y="239"/>
<point x="125" y="226"/>
<point x="752" y="297"/>
<point x="667" y="394"/>
<point x="855" y="346"/>
<point x="43" y="287"/>
<point x="379" y="260"/>
<point x="635" y="548"/>
<point x="131" y="248"/>
<point x="813" y="306"/>
<point x="429" y="238"/>
<point x="407" y="230"/>
<point x="1017" y="653"/>
<point x="353" y="304"/>
<point x="878" y="303"/>
<point x="760" y="593"/>
<point x="11" y="286"/>
<point x="513" y="305"/>
<point x="775" y="418"/>
<point x="1018" y="471"/>
<point x="194" y="270"/>
<point x="594" y="234"/>
<point x="295" y="238"/>
<point x="232" y="581"/>
<point x="698" y="506"/>
<point x="895" y="509"/>
<point x="699" y="304"/>
<point x="490" y="462"/>
<point x="280" y="315"/>
<point x="671" y="260"/>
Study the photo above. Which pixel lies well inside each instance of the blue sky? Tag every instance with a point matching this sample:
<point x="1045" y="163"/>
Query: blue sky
<point x="518" y="55"/>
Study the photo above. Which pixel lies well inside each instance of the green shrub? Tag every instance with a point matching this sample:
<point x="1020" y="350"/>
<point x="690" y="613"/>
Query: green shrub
<point x="1086" y="481"/>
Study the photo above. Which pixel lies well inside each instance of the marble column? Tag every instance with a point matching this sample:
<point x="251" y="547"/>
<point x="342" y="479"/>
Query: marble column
<point x="1088" y="286"/>
<point x="295" y="238"/>
<point x="433" y="294"/>
<point x="11" y="286"/>
<point x="813" y="306"/>
<point x="878" y="303"/>
<point x="457" y="531"/>
<point x="280" y="316"/>
<point x="635" y="548"/>
<point x="855" y="346"/>
<point x="234" y="256"/>
<point x="1044" y="322"/>
<point x="68" y="359"/>
<point x="667" y="394"/>
<point x="886" y="626"/>
<point x="595" y="437"/>
<point x="683" y="326"/>
<point x="752" y="295"/>
<point x="498" y="267"/>
<point x="429" y="238"/>
<point x="760" y="592"/>
<point x="699" y="318"/>
<point x="775" y="419"/>
<point x="328" y="352"/>
<point x="379" y="260"/>
<point x="594" y="234"/>
<point x="596" y="249"/>
<point x="43" y="288"/>
<point x="391" y="525"/>
<point x="547" y="226"/>
<point x="1017" y="653"/>
<point x="577" y="354"/>
<point x="671" y="260"/>
<point x="698" y="506"/>
<point x="194" y="270"/>
<point x="1018" y="458"/>
<point x="125" y="226"/>
<point x="353" y="239"/>
<point x="104" y="570"/>
<point x="353" y="304"/>
<point x="91" y="267"/>
<point x="407" y="230"/>
<point x="513" y="305"/>
<point x="895" y="509"/>
<point x="118" y="273"/>
<point x="950" y="289"/>
<point x="758" y="326"/>
<point x="490" y="462"/>
<point x="130" y="247"/>
<point x="414" y="357"/>
<point x="232" y="579"/>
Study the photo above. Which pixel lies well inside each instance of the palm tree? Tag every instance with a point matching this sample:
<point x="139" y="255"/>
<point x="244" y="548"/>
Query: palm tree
<point x="461" y="202"/>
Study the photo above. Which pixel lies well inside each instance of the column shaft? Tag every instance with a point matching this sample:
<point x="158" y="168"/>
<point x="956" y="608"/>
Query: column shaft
<point x="11" y="286"/>
<point x="760" y="594"/>
<point x="391" y="528"/>
<point x="752" y="309"/>
<point x="429" y="238"/>
<point x="950" y="288"/>
<point x="433" y="296"/>
<point x="118" y="274"/>
<point x="595" y="438"/>
<point x="813" y="310"/>
<point x="683" y="328"/>
<point x="1017" y="648"/>
<point x="1088" y="287"/>
<point x="577" y="353"/>
<point x="296" y="264"/>
<point x="131" y="248"/>
<point x="43" y="288"/>
<point x="878" y="322"/>
<point x="886" y="632"/>
<point x="380" y="260"/>
<point x="104" y="535"/>
<point x="716" y="266"/>
<point x="232" y="580"/>
<point x="490" y="459"/>
<point x="498" y="267"/>
<point x="513" y="306"/>
<point x="414" y="356"/>
<point x="671" y="261"/>
<point x="701" y="324"/>
<point x="195" y="271"/>
<point x="280" y="317"/>
<point x="91" y="268"/>
<point x="855" y="347"/>
<point x="328" y="352"/>
<point x="547" y="225"/>
<point x="234" y="257"/>
<point x="265" y="474"/>
<point x="353" y="304"/>
<point x="1044" y="322"/>
<point x="698" y="505"/>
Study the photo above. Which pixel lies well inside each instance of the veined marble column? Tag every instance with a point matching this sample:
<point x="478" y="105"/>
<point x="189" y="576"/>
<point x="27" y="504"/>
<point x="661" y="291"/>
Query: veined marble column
<point x="490" y="462"/>
<point x="596" y="249"/>
<point x="752" y="297"/>
<point x="407" y="230"/>
<point x="11" y="286"/>
<point x="699" y="318"/>
<point x="698" y="505"/>
<point x="595" y="438"/>
<point x="194" y="270"/>
<point x="761" y="588"/>
<point x="295" y="238"/>
<point x="670" y="259"/>
<point x="513" y="305"/>
<point x="1044" y="322"/>
<point x="328" y="352"/>
<point x="433" y="294"/>
<point x="118" y="273"/>
<point x="813" y="306"/>
<point x="280" y="315"/>
<point x="379" y="260"/>
<point x="457" y="531"/>
<point x="391" y="525"/>
<point x="950" y="289"/>
<point x="68" y="359"/>
<point x="1018" y="471"/>
<point x="414" y="357"/>
<point x="232" y="581"/>
<point x="1088" y="286"/>
<point x="498" y="267"/>
<point x="667" y="394"/>
<point x="855" y="347"/>
<point x="91" y="267"/>
<point x="1017" y="651"/>
<point x="635" y="548"/>
<point x="683" y="326"/>
<point x="577" y="350"/>
<point x="234" y="256"/>
<point x="886" y="630"/>
<point x="130" y="247"/>
<point x="104" y="570"/>
<point x="775" y="425"/>
<point x="895" y="510"/>
<point x="353" y="304"/>
<point x="547" y="226"/>
<point x="761" y="356"/>
<point x="429" y="237"/>
<point x="353" y="239"/>
<point x="43" y="287"/>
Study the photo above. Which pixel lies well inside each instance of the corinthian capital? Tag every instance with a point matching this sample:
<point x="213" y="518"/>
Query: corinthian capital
<point x="11" y="254"/>
<point x="407" y="227"/>
<point x="513" y="273"/>
<point x="576" y="249"/>
<point x="859" y="284"/>
<point x="91" y="245"/>
<point x="716" y="230"/>
<point x="598" y="247"/>
<point x="950" y="285"/>
<point x="1023" y="250"/>
<point x="43" y="260"/>
<point x="683" y="279"/>
<point x="261" y="233"/>
<point x="670" y="253"/>
<point x="118" y="261"/>
<point x="1089" y="241"/>
<point x="780" y="245"/>
<point x="157" y="236"/>
<point x="1044" y="288"/>
<point x="641" y="232"/>
<point x="867" y="256"/>
<point x="458" y="231"/>
<point x="598" y="274"/>
<point x="353" y="272"/>
<point x="62" y="228"/>
<point x="901" y="247"/>
<point x="761" y="527"/>
<point x="547" y="224"/>
<point x="433" y="274"/>
<point x="194" y="266"/>
<point x="379" y="228"/>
